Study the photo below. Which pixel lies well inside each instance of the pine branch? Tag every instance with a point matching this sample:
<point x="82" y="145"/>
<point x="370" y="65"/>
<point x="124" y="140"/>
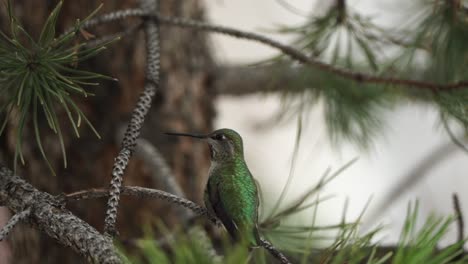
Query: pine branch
<point x="13" y="222"/>
<point x="292" y="52"/>
<point x="142" y="192"/>
<point x="38" y="77"/>
<point x="299" y="56"/>
<point x="47" y="214"/>
<point x="137" y="119"/>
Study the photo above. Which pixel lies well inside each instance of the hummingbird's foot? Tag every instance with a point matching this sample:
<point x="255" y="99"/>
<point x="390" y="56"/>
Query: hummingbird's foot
<point x="215" y="220"/>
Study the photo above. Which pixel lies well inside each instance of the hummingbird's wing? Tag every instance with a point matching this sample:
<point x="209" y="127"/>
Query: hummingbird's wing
<point x="238" y="213"/>
<point x="214" y="201"/>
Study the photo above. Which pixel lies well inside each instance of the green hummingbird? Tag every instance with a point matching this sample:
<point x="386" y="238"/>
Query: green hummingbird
<point x="231" y="192"/>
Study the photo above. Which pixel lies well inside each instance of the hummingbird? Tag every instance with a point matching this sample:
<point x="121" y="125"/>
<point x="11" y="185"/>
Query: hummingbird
<point x="231" y="191"/>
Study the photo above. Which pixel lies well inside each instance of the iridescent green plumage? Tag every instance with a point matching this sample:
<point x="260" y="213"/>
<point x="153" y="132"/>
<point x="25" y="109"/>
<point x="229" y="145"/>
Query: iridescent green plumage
<point x="231" y="192"/>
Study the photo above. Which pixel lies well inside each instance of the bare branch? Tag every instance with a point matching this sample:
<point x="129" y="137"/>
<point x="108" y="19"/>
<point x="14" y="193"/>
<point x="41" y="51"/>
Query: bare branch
<point x="273" y="251"/>
<point x="137" y="119"/>
<point x="13" y="222"/>
<point x="49" y="216"/>
<point x="142" y="192"/>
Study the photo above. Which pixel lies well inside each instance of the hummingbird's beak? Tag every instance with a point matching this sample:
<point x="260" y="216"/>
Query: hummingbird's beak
<point x="186" y="135"/>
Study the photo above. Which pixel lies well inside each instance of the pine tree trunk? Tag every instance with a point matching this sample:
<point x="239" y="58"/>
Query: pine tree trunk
<point x="183" y="103"/>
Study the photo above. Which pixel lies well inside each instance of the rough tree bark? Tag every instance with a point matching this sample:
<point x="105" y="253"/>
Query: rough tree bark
<point x="185" y="103"/>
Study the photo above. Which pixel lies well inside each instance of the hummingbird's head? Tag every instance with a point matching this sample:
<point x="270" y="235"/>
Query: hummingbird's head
<point x="225" y="144"/>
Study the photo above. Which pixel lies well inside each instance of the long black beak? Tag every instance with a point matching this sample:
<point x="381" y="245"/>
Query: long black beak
<point x="186" y="135"/>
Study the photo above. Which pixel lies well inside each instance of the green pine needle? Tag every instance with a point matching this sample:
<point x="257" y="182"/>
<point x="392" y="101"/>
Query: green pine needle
<point x="39" y="77"/>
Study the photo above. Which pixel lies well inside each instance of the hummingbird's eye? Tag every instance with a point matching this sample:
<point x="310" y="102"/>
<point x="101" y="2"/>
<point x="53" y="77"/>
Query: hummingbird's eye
<point x="219" y="137"/>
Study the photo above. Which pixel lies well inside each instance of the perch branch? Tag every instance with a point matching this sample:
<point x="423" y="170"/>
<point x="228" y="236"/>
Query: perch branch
<point x="137" y="119"/>
<point x="273" y="251"/>
<point x="13" y="222"/>
<point x="47" y="214"/>
<point x="292" y="52"/>
<point x="142" y="192"/>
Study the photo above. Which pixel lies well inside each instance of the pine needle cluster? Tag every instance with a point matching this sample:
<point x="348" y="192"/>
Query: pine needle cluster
<point x="38" y="76"/>
<point x="432" y="46"/>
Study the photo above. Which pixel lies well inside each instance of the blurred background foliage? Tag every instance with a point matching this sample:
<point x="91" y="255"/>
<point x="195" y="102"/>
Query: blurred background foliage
<point x="430" y="47"/>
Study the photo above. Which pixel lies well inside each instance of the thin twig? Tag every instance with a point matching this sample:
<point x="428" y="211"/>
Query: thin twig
<point x="273" y="251"/>
<point x="142" y="192"/>
<point x="137" y="119"/>
<point x="452" y="136"/>
<point x="13" y="222"/>
<point x="107" y="38"/>
<point x="111" y="17"/>
<point x="459" y="216"/>
<point x="460" y="226"/>
<point x="292" y="52"/>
